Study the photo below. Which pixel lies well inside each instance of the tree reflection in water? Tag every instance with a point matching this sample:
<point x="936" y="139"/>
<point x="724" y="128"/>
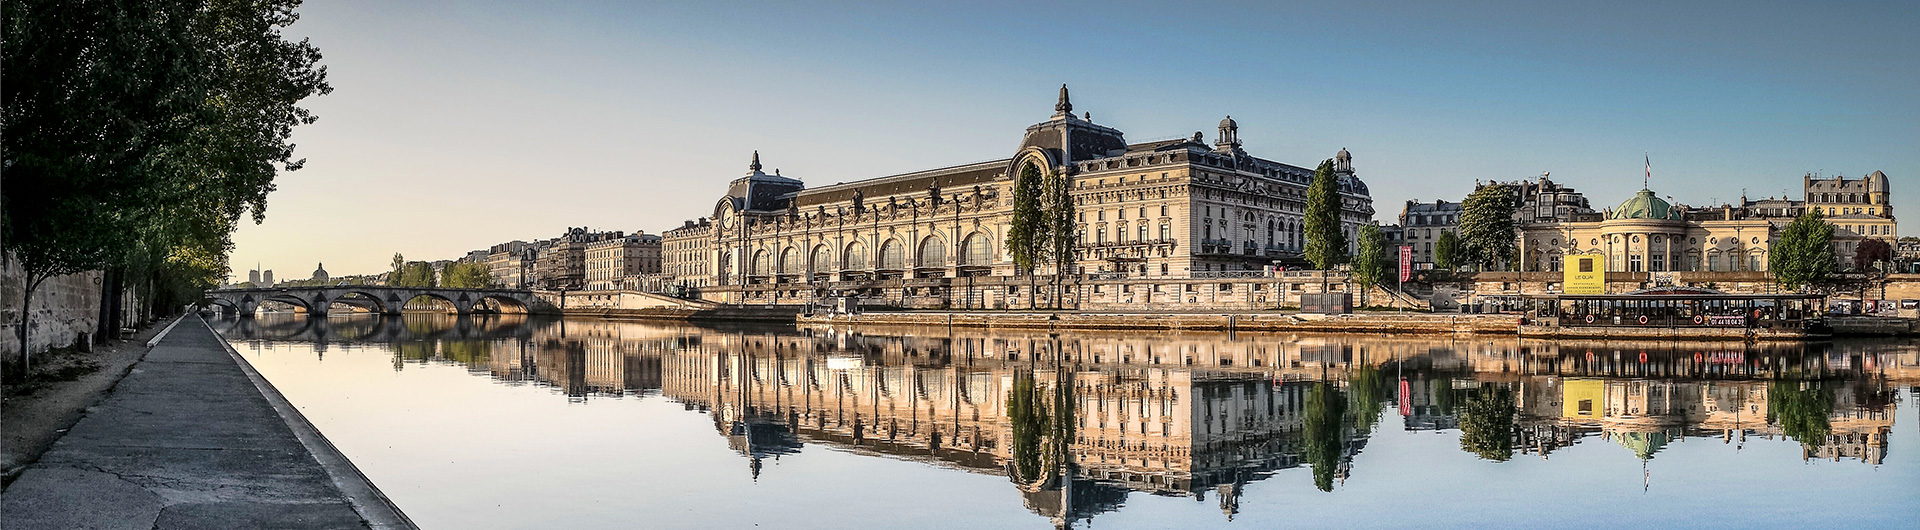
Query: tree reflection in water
<point x="1324" y="430"/>
<point x="1800" y="409"/>
<point x="1486" y="424"/>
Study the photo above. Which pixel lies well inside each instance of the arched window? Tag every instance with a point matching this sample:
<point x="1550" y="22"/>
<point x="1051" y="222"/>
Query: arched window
<point x="976" y="249"/>
<point x="822" y="259"/>
<point x="933" y="252"/>
<point x="759" y="265"/>
<point x="790" y="261"/>
<point x="892" y="256"/>
<point x="856" y="257"/>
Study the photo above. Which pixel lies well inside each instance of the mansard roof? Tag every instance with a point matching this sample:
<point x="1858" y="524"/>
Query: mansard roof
<point x="945" y="178"/>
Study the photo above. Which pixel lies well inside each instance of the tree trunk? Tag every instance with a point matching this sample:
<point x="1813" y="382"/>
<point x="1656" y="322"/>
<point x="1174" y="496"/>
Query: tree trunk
<point x="116" y="295"/>
<point x="26" y="321"/>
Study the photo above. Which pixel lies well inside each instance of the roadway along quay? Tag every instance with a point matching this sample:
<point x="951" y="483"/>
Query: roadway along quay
<point x="192" y="437"/>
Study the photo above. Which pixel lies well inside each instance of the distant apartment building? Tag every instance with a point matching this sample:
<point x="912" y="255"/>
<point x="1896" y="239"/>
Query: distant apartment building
<point x="563" y="266"/>
<point x="1863" y="207"/>
<point x="510" y="264"/>
<point x="1544" y="201"/>
<point x="609" y="261"/>
<point x="685" y="254"/>
<point x="1422" y="223"/>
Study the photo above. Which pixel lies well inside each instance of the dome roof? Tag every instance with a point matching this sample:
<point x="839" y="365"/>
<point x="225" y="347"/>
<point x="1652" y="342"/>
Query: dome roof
<point x="1228" y="122"/>
<point x="1644" y="205"/>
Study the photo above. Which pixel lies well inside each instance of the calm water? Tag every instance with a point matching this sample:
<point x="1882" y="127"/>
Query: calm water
<point x="510" y="422"/>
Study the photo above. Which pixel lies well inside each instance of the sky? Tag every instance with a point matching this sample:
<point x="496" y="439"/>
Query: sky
<point x="454" y="126"/>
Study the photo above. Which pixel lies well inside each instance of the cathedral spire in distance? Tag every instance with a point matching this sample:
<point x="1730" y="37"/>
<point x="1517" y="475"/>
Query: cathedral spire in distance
<point x="1065" y="106"/>
<point x="755" y="166"/>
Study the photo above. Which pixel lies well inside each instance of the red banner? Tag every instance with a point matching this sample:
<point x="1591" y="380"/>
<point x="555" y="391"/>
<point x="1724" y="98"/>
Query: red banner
<point x="1406" y="263"/>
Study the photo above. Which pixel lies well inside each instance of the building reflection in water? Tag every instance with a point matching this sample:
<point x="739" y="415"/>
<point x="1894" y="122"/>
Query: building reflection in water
<point x="1077" y="421"/>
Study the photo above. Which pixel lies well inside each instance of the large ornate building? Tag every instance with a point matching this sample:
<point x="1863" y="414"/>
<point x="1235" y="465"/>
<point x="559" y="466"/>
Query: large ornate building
<point x="1649" y="234"/>
<point x="1170" y="208"/>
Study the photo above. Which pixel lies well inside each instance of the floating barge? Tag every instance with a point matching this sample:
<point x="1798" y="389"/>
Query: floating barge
<point x="1676" y="313"/>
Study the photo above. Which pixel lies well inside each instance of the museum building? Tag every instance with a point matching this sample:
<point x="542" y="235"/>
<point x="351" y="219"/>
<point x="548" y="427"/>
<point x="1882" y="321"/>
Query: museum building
<point x="1176" y="208"/>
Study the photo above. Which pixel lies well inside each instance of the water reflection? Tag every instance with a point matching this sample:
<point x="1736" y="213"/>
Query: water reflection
<point x="1078" y="421"/>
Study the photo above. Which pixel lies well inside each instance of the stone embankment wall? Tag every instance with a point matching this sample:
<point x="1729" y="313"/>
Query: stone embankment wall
<point x="1413" y="323"/>
<point x="64" y="308"/>
<point x="1250" y="291"/>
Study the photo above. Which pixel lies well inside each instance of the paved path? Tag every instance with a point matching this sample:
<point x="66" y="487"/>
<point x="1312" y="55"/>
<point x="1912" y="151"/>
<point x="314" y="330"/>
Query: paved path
<point x="189" y="439"/>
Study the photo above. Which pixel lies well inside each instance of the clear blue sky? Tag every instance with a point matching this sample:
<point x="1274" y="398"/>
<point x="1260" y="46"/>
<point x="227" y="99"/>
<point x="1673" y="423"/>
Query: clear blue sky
<point x="457" y="125"/>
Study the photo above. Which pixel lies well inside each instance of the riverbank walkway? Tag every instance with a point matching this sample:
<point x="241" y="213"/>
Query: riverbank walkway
<point x="193" y="438"/>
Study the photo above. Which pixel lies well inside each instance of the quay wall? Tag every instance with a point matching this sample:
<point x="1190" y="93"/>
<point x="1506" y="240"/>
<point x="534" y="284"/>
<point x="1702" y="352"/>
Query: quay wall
<point x="1416" y="323"/>
<point x="1248" y="291"/>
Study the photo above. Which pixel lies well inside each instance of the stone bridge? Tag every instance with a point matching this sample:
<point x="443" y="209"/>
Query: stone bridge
<point x="378" y="298"/>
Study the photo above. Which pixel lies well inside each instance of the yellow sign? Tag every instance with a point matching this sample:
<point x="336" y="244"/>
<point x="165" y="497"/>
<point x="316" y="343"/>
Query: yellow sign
<point x="1584" y="275"/>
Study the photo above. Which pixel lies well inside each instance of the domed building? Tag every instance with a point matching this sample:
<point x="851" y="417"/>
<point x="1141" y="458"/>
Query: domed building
<point x="320" y="272"/>
<point x="1650" y="234"/>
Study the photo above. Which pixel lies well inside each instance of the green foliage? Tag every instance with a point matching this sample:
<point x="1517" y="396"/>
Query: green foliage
<point x="1366" y="389"/>
<point x="1062" y="227"/>
<point x="1027" y="236"/>
<point x="1446" y="249"/>
<point x="1487" y="423"/>
<point x="1804" y="254"/>
<point x="136" y="134"/>
<point x="1801" y="410"/>
<point x="1326" y="243"/>
<point x="467" y="275"/>
<point x="1324" y="444"/>
<point x="1370" y="263"/>
<point x="1486" y="228"/>
<point x="1027" y="415"/>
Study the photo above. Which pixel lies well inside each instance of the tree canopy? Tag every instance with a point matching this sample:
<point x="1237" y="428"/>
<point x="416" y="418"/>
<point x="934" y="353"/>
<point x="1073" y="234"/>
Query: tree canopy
<point x="1486" y="228"/>
<point x="1869" y="252"/>
<point x="467" y="275"/>
<point x="1446" y="250"/>
<point x="1370" y="262"/>
<point x="1803" y="255"/>
<point x="1326" y="242"/>
<point x="1027" y="236"/>
<point x="137" y="133"/>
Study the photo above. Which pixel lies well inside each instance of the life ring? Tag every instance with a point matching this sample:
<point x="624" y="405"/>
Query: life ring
<point x="1643" y="357"/>
<point x="1643" y="320"/>
<point x="1697" y="319"/>
<point x="1696" y="357"/>
<point x="1589" y="319"/>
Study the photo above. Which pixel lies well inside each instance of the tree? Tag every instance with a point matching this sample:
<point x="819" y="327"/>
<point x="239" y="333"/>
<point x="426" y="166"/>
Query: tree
<point x="467" y="275"/>
<point x="1061" y="225"/>
<point x="1486" y="227"/>
<point x="1326" y="242"/>
<point x="1027" y="236"/>
<point x="1804" y="254"/>
<point x="1370" y="263"/>
<point x="399" y="268"/>
<point x="133" y="129"/>
<point x="1446" y="250"/>
<point x="1871" y="251"/>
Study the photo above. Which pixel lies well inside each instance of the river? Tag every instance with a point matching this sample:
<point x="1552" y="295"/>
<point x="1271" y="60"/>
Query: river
<point x="510" y="421"/>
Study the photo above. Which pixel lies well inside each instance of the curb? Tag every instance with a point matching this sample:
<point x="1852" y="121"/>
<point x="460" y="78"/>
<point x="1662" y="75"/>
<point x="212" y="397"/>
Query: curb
<point x="374" y="507"/>
<point x="163" y="332"/>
